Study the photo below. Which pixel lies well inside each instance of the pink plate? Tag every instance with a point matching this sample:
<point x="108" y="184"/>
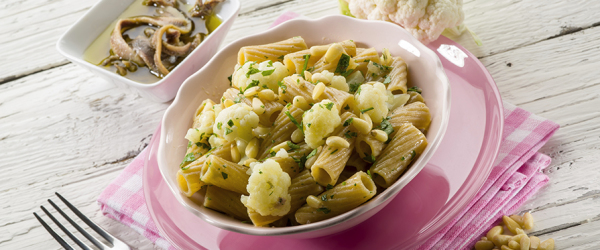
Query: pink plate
<point x="435" y="196"/>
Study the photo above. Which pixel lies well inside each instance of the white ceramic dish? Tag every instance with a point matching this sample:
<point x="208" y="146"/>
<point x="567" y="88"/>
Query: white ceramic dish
<point x="425" y="71"/>
<point x="76" y="40"/>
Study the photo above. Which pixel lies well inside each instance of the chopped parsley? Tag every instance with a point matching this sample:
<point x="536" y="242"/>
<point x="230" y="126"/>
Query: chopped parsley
<point x="382" y="67"/>
<point x="309" y="124"/>
<point x="292" y="145"/>
<point x="324" y="197"/>
<point x="342" y="64"/>
<point x="187" y="159"/>
<point x="280" y="57"/>
<point x="282" y="86"/>
<point x="402" y="158"/>
<point x="329" y="186"/>
<point x="251" y="71"/>
<point x="312" y="153"/>
<point x="306" y="57"/>
<point x="369" y="158"/>
<point x="347" y="107"/>
<point x="329" y="106"/>
<point x="230" y="78"/>
<point x="347" y="73"/>
<point x="238" y="99"/>
<point x="324" y="210"/>
<point x="230" y="123"/>
<point x="334" y="151"/>
<point x="293" y="120"/>
<point x="369" y="173"/>
<point x="365" y="110"/>
<point x="219" y="124"/>
<point x="415" y="89"/>
<point x="387" y="127"/>
<point x="348" y="122"/>
<point x="254" y="83"/>
<point x="349" y="134"/>
<point x="268" y="72"/>
<point x="413" y="154"/>
<point x="224" y="175"/>
<point x="344" y="183"/>
<point x="358" y="90"/>
<point x="354" y="87"/>
<point x="301" y="162"/>
<point x="387" y="80"/>
<point x="228" y="131"/>
<point x="203" y="145"/>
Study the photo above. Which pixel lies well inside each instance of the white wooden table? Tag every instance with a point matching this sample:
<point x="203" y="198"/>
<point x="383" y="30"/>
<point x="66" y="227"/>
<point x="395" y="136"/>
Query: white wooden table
<point x="63" y="129"/>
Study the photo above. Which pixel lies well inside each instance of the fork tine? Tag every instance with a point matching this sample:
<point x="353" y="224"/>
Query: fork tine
<point x="87" y="221"/>
<point x="86" y="234"/>
<point x="77" y="241"/>
<point x="60" y="240"/>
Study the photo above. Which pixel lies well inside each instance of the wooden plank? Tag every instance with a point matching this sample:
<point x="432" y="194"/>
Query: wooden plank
<point x="557" y="79"/>
<point x="508" y="25"/>
<point x="33" y="49"/>
<point x="67" y="132"/>
<point x="583" y="237"/>
<point x="65" y="124"/>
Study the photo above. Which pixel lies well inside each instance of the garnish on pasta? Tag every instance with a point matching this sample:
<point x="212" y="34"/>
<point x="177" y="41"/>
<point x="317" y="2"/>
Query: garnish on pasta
<point x="304" y="133"/>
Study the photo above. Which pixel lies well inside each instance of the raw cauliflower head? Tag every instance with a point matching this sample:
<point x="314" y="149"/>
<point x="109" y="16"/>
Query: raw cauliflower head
<point x="268" y="188"/>
<point x="236" y="123"/>
<point x="424" y="19"/>
<point x="319" y="121"/>
<point x="372" y="100"/>
<point x="265" y="75"/>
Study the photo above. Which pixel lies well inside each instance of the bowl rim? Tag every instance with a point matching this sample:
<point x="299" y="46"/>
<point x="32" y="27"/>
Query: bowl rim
<point x="380" y="199"/>
<point x="61" y="41"/>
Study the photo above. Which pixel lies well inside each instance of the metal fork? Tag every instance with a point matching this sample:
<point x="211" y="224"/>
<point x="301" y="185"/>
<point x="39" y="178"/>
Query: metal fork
<point x="115" y="243"/>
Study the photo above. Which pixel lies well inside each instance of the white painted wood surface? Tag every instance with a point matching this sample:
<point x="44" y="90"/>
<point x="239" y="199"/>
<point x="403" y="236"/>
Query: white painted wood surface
<point x="63" y="129"/>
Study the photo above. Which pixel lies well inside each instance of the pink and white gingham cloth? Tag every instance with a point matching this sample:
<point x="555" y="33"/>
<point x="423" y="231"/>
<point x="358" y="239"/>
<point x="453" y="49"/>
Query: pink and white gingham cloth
<point x="123" y="200"/>
<point x="515" y="177"/>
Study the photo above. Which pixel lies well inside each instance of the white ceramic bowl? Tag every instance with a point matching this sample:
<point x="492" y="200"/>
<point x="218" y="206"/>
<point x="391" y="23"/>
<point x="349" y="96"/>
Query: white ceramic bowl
<point x="425" y="71"/>
<point x="76" y="40"/>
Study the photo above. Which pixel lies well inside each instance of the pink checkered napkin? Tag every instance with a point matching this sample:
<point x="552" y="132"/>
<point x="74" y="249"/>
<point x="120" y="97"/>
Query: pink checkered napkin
<point x="515" y="178"/>
<point x="123" y="200"/>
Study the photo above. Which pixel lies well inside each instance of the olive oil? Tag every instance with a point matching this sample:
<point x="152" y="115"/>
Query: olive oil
<point x="100" y="48"/>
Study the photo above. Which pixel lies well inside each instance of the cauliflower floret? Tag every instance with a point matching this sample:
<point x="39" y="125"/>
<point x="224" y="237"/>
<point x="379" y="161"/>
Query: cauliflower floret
<point x="425" y="19"/>
<point x="282" y="153"/>
<point x="325" y="77"/>
<point x="319" y="122"/>
<point x="235" y="123"/>
<point x="205" y="128"/>
<point x="372" y="100"/>
<point x="265" y="75"/>
<point x="268" y="188"/>
<point x="339" y="82"/>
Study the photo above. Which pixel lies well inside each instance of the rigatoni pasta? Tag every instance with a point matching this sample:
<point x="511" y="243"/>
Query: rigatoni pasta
<point x="304" y="133"/>
<point x="272" y="51"/>
<point x="342" y="198"/>
<point x="405" y="147"/>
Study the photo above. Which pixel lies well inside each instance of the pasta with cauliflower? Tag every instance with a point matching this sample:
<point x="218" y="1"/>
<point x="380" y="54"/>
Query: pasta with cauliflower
<point x="304" y="133"/>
